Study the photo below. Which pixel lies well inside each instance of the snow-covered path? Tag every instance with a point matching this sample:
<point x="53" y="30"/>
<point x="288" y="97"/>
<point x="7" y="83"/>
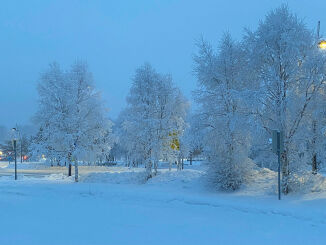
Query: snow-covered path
<point x="96" y="213"/>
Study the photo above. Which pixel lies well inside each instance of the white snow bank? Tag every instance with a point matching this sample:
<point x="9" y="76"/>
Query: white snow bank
<point x="264" y="181"/>
<point x="115" y="177"/>
<point x="33" y="178"/>
<point x="185" y="179"/>
<point x="28" y="165"/>
<point x="307" y="182"/>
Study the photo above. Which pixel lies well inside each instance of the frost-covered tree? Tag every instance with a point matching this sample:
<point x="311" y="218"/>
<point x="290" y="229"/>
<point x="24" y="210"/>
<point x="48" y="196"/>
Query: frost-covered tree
<point x="222" y="97"/>
<point x="289" y="71"/>
<point x="314" y="133"/>
<point x="193" y="137"/>
<point x="130" y="145"/>
<point x="71" y="117"/>
<point x="155" y="113"/>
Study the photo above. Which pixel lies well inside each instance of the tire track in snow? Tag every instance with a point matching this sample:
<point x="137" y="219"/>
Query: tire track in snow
<point x="251" y="210"/>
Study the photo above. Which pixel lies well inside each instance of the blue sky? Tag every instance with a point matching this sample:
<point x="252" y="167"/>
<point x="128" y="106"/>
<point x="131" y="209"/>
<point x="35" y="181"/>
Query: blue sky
<point x="115" y="37"/>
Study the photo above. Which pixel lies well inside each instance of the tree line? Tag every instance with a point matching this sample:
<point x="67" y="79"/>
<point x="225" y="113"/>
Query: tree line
<point x="271" y="79"/>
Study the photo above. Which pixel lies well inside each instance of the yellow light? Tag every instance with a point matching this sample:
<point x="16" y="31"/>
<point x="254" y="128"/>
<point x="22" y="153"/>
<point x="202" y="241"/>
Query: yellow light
<point x="1" y="153"/>
<point x="322" y="44"/>
<point x="175" y="144"/>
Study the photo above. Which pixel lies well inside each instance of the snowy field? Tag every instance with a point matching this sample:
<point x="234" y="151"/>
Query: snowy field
<point x="112" y="205"/>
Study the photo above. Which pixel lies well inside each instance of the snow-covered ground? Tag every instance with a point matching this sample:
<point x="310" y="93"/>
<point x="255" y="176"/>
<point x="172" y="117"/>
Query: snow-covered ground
<point x="112" y="205"/>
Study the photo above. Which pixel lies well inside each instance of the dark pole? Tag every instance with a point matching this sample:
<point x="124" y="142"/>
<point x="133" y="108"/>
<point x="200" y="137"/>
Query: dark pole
<point x="15" y="149"/>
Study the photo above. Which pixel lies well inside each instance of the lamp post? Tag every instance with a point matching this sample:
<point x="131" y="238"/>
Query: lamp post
<point x="322" y="46"/>
<point x="14" y="142"/>
<point x="321" y="42"/>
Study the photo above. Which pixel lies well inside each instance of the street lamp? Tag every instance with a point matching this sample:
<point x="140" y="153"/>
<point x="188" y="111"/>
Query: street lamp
<point x="14" y="142"/>
<point x="322" y="44"/>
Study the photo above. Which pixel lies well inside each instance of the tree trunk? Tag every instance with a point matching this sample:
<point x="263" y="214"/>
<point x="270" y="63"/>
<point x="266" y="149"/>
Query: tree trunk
<point x="69" y="169"/>
<point x="314" y="164"/>
<point x="190" y="158"/>
<point x="155" y="167"/>
<point x="179" y="164"/>
<point x="314" y="157"/>
<point x="76" y="171"/>
<point x="149" y="169"/>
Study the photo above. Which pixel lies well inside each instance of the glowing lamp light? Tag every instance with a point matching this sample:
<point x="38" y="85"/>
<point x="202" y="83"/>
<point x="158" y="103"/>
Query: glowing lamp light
<point x="322" y="44"/>
<point x="1" y="153"/>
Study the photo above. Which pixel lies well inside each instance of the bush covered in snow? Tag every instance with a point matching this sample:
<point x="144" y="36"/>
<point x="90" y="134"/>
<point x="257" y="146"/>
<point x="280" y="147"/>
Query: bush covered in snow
<point x="306" y="182"/>
<point x="230" y="175"/>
